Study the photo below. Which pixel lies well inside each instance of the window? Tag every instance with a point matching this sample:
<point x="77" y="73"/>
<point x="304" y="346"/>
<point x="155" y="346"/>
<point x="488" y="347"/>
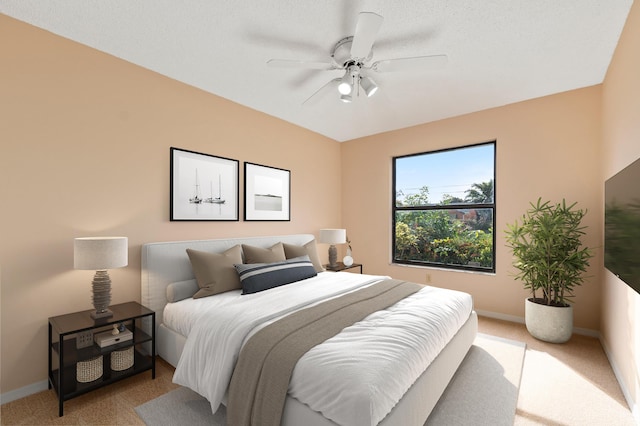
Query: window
<point x="444" y="208"/>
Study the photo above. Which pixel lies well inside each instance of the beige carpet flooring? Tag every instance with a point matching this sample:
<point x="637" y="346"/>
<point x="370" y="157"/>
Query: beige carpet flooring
<point x="566" y="384"/>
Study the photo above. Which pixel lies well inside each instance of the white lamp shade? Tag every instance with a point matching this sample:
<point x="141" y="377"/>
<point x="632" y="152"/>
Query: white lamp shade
<point x="333" y="236"/>
<point x="100" y="253"/>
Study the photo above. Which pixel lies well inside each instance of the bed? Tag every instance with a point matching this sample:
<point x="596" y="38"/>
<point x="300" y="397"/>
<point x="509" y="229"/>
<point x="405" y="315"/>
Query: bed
<point x="167" y="271"/>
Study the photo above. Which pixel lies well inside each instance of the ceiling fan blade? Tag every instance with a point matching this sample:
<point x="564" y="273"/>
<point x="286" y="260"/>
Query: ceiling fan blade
<point x="366" y="31"/>
<point x="327" y="84"/>
<point x="410" y="64"/>
<point x="288" y="63"/>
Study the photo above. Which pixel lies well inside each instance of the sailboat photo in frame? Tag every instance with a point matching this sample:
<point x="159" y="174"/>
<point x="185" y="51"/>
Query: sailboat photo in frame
<point x="203" y="187"/>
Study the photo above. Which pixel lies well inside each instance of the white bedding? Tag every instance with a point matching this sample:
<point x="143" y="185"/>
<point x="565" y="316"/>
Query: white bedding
<point x="354" y="378"/>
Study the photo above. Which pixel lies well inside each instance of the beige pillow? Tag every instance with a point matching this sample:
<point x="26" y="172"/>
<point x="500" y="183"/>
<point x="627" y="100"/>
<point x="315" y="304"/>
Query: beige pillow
<point x="215" y="272"/>
<point x="253" y="254"/>
<point x="292" y="250"/>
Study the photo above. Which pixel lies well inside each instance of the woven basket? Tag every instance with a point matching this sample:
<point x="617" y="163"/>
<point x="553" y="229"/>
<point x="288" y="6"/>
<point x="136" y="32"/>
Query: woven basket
<point x="121" y="360"/>
<point x="89" y="370"/>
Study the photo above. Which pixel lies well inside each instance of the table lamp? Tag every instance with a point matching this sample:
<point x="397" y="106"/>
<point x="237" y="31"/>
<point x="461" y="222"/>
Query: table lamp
<point x="332" y="237"/>
<point x="100" y="254"/>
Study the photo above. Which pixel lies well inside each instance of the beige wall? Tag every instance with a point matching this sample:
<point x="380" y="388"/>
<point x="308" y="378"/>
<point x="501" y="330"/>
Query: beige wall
<point x="84" y="150"/>
<point x="85" y="143"/>
<point x="621" y="140"/>
<point x="547" y="147"/>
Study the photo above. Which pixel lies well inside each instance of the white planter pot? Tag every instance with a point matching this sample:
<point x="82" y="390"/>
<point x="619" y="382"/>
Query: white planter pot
<point x="549" y="323"/>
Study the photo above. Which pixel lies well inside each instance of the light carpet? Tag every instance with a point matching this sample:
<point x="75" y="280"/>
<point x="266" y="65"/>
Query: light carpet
<point x="484" y="391"/>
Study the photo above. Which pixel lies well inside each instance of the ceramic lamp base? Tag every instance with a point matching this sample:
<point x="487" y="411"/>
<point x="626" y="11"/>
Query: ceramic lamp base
<point x="333" y="256"/>
<point x="101" y="287"/>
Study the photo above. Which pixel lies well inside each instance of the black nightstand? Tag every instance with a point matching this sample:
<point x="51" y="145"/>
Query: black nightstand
<point x="64" y="354"/>
<point x="342" y="267"/>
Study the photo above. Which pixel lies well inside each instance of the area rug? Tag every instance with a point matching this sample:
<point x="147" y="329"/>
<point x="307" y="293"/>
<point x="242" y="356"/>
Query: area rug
<point x="484" y="391"/>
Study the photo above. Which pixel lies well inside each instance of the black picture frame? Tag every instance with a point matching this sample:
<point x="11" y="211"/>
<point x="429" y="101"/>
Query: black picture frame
<point x="267" y="193"/>
<point x="203" y="187"/>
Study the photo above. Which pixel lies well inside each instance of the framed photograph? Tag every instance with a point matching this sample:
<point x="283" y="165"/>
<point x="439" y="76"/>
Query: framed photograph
<point x="203" y="186"/>
<point x="267" y="192"/>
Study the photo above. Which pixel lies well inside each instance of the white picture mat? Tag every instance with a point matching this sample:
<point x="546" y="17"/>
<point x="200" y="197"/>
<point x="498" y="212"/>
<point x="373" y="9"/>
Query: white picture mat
<point x="267" y="193"/>
<point x="216" y="177"/>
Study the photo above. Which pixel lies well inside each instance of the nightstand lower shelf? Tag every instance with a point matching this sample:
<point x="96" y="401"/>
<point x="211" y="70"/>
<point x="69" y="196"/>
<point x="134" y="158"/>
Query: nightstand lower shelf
<point x="71" y="388"/>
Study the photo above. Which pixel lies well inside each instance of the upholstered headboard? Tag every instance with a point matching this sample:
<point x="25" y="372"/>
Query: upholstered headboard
<point x="167" y="262"/>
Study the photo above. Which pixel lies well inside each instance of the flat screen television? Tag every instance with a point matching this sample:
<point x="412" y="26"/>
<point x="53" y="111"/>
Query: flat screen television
<point x="622" y="225"/>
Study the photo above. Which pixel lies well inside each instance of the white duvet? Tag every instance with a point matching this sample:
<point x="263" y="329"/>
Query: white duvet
<point x="354" y="378"/>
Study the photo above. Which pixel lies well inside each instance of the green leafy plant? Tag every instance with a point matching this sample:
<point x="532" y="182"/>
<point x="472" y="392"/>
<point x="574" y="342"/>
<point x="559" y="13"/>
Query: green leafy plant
<point x="548" y="252"/>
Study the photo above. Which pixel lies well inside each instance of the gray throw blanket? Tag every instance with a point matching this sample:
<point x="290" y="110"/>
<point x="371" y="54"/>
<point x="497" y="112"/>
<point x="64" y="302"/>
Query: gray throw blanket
<point x="260" y="381"/>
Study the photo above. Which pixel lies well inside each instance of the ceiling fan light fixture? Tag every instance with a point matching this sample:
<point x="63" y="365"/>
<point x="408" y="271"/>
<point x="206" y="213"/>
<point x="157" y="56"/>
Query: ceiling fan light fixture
<point x="369" y="86"/>
<point x="346" y="99"/>
<point x="345" y="87"/>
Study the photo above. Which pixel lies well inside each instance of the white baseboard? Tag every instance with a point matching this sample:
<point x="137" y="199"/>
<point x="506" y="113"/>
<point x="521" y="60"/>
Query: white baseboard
<point x="499" y="316"/>
<point x="24" y="391"/>
<point x="587" y="332"/>
<point x="635" y="410"/>
<point x="520" y="320"/>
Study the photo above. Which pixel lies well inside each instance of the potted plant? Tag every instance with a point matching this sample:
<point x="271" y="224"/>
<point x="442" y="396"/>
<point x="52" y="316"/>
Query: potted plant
<point x="551" y="262"/>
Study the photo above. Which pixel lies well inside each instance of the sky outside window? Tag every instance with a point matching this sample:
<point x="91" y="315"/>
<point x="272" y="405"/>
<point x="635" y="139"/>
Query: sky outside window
<point x="447" y="172"/>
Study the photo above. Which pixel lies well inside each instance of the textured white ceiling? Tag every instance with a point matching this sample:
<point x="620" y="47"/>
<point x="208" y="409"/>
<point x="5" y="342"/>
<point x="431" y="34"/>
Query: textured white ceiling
<point x="499" y="51"/>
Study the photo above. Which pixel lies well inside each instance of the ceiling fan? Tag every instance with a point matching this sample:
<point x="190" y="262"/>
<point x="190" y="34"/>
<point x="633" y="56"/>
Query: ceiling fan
<point x="352" y="54"/>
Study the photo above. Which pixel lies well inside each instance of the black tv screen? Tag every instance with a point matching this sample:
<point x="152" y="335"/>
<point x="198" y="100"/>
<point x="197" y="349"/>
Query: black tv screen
<point x="622" y="225"/>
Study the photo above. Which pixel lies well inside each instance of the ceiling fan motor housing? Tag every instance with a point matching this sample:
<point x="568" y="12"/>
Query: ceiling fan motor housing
<point x="341" y="54"/>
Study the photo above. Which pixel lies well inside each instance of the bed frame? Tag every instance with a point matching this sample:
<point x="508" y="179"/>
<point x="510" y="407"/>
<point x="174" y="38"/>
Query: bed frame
<point x="167" y="262"/>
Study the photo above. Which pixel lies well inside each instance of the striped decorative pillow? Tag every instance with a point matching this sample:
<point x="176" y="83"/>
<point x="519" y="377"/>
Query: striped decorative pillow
<point x="256" y="277"/>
